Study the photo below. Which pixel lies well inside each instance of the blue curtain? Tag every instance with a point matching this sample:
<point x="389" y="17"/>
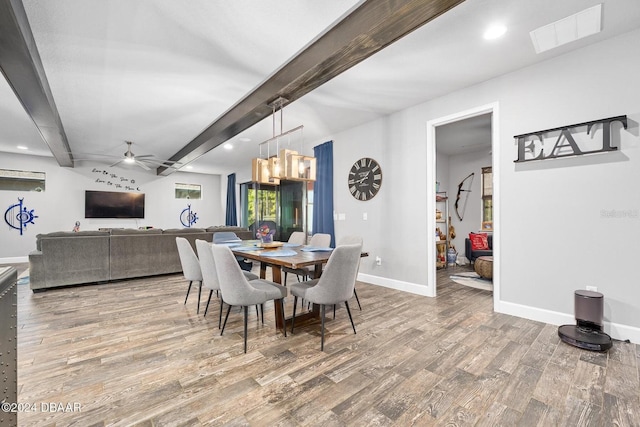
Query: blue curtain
<point x="323" y="191"/>
<point x="232" y="215"/>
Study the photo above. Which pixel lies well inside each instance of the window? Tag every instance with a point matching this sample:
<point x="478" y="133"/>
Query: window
<point x="188" y="191"/>
<point x="21" y="180"/>
<point x="487" y="198"/>
<point x="284" y="206"/>
<point x="259" y="203"/>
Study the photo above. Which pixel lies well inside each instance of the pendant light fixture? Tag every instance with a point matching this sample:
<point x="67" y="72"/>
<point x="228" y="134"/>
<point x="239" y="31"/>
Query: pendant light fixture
<point x="286" y="163"/>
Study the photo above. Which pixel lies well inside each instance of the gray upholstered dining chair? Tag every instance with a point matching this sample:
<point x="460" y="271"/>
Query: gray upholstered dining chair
<point x="190" y="266"/>
<point x="210" y="275"/>
<point x="297" y="238"/>
<point x="237" y="290"/>
<point x="349" y="240"/>
<point x="334" y="286"/>
<point x="230" y="236"/>
<point x="319" y="240"/>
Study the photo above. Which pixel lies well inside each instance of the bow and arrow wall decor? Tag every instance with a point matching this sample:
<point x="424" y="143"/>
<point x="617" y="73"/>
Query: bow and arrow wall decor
<point x="463" y="187"/>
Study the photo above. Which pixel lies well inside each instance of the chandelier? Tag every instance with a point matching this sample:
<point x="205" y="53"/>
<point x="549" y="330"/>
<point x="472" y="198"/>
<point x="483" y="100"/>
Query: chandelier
<point x="286" y="163"/>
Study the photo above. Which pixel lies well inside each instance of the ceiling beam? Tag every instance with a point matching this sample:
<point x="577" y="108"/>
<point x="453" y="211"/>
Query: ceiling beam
<point x="22" y="68"/>
<point x="369" y="28"/>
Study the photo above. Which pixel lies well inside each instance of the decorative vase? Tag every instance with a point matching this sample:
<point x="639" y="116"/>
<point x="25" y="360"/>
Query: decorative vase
<point x="268" y="238"/>
<point x="452" y="256"/>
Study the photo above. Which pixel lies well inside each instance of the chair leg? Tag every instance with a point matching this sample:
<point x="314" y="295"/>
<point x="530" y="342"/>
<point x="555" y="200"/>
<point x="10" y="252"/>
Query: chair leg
<point x="220" y="317"/>
<point x="225" y="320"/>
<point x="284" y="322"/>
<point x="295" y="303"/>
<point x="357" y="299"/>
<point x="199" y="293"/>
<point x="262" y="313"/>
<point x="208" y="301"/>
<point x="257" y="315"/>
<point x="322" y="331"/>
<point x="188" y="289"/>
<point x="346" y="304"/>
<point x="285" y="279"/>
<point x="334" y="312"/>
<point x="246" y="314"/>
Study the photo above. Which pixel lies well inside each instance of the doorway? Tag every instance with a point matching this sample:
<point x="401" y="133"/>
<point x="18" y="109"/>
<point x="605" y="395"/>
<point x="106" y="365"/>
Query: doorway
<point x="456" y="161"/>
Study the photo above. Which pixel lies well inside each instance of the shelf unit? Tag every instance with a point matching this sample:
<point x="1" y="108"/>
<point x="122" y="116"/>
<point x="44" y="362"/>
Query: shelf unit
<point x="442" y="245"/>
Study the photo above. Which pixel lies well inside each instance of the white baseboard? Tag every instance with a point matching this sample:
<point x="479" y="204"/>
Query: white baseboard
<point x="615" y="330"/>
<point x="395" y="284"/>
<point x="14" y="260"/>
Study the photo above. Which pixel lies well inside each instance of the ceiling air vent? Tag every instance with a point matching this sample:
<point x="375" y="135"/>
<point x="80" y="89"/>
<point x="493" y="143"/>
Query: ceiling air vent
<point x="566" y="30"/>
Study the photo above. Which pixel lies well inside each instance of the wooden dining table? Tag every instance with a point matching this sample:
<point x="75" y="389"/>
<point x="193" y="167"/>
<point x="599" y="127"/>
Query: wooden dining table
<point x="301" y="259"/>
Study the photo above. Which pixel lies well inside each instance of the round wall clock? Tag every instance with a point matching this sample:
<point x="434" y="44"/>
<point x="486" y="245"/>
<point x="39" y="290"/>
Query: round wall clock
<point x="365" y="179"/>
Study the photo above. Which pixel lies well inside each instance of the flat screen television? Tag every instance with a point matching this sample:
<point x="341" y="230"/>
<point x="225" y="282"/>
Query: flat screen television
<point x="111" y="204"/>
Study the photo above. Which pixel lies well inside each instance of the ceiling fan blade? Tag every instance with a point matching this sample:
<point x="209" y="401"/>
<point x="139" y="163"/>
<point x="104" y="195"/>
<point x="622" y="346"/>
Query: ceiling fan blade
<point x="156" y="162"/>
<point x="142" y="165"/>
<point x="143" y="156"/>
<point x="116" y="163"/>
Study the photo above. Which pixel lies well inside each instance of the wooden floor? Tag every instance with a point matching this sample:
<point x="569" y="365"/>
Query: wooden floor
<point x="131" y="354"/>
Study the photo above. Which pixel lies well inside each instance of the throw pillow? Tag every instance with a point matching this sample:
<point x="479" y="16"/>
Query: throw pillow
<point x="479" y="241"/>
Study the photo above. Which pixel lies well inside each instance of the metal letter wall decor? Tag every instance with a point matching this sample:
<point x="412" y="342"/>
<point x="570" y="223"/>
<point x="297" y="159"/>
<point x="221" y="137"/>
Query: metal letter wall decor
<point x="528" y="142"/>
<point x="188" y="218"/>
<point x="18" y="216"/>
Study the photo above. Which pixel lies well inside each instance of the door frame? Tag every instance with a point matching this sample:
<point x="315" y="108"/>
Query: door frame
<point x="492" y="108"/>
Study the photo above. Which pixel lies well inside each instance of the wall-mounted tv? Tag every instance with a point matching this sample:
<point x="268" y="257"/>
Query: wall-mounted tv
<point x="111" y="204"/>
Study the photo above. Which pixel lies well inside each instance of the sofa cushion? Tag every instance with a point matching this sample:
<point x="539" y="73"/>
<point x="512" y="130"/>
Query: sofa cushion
<point x="183" y="230"/>
<point x="479" y="241"/>
<point x="130" y="231"/>
<point x="39" y="237"/>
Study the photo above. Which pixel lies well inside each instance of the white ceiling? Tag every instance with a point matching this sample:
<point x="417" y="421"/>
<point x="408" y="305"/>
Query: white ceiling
<point x="157" y="72"/>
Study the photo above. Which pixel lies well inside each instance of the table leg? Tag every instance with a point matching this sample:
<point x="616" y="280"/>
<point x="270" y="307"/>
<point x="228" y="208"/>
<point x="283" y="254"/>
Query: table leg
<point x="276" y="274"/>
<point x="263" y="270"/>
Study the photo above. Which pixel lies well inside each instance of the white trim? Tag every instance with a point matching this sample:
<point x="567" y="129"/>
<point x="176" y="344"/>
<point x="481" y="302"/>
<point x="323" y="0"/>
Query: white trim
<point x="14" y="260"/>
<point x="431" y="183"/>
<point x="399" y="285"/>
<point x="615" y="330"/>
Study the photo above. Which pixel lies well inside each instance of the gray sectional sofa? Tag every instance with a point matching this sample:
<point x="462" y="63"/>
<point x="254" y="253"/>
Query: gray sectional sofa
<point x="68" y="258"/>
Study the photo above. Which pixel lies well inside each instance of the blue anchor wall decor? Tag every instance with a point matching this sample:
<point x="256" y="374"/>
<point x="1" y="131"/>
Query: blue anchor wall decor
<point x="188" y="218"/>
<point x="18" y="216"/>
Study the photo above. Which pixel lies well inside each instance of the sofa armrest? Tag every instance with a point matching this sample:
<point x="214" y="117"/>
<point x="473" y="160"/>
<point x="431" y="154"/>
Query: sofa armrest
<point x="467" y="249"/>
<point x="36" y="270"/>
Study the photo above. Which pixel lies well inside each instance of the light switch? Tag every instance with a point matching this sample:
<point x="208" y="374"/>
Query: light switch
<point x="341" y="217"/>
<point x="364" y="216"/>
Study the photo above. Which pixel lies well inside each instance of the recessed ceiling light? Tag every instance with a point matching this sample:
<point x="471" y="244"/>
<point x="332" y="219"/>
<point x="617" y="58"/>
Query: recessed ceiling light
<point x="494" y="32"/>
<point x="244" y="139"/>
<point x="227" y="146"/>
<point x="22" y="147"/>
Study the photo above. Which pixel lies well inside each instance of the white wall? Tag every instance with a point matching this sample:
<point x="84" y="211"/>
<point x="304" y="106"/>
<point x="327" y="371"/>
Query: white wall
<point x="62" y="203"/>
<point x="553" y="237"/>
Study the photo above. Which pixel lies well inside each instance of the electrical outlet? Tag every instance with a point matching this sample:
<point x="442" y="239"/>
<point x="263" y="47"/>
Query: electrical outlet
<point x="378" y="260"/>
<point x="592" y="288"/>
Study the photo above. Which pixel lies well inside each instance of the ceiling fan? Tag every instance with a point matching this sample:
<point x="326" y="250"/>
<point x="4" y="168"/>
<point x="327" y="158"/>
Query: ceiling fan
<point x="145" y="161"/>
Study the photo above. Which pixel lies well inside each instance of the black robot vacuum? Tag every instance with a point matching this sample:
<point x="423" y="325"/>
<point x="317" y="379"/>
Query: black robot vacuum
<point x="587" y="333"/>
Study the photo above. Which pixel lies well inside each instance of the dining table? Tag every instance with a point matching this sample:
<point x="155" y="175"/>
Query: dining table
<point x="280" y="255"/>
